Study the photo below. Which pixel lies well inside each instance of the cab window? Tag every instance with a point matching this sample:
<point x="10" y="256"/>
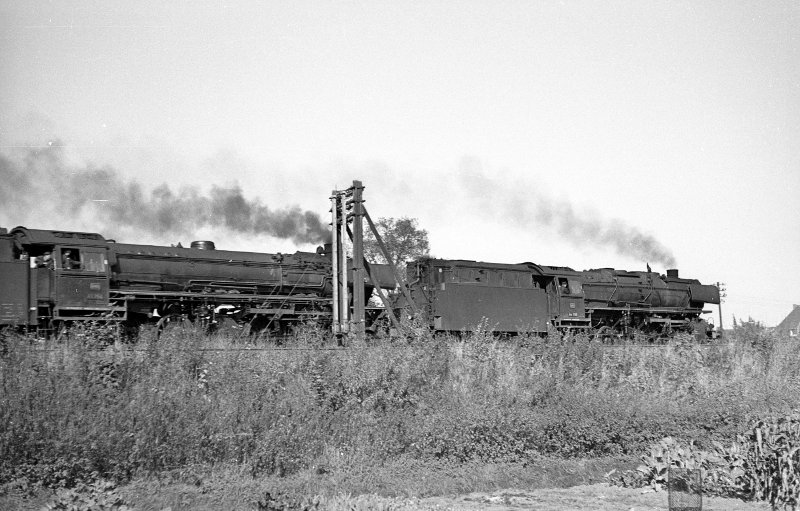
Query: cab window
<point x="93" y="261"/>
<point x="569" y="286"/>
<point x="70" y="259"/>
<point x="576" y="287"/>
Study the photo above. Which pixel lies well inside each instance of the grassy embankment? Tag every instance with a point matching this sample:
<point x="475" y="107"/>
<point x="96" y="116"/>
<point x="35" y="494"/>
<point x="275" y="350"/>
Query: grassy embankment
<point x="230" y="421"/>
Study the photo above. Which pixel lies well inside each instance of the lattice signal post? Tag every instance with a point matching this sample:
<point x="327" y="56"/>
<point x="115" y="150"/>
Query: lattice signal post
<point x="349" y="312"/>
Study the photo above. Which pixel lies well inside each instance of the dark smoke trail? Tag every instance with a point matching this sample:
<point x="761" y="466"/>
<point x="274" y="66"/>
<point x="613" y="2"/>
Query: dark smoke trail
<point x="43" y="188"/>
<point x="526" y="207"/>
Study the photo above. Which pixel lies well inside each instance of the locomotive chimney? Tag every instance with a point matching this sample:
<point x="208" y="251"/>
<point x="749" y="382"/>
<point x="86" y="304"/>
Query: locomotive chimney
<point x="203" y="245"/>
<point x="672" y="273"/>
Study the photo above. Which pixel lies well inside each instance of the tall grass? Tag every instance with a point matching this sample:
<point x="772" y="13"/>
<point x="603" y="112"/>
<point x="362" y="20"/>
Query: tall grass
<point x="78" y="410"/>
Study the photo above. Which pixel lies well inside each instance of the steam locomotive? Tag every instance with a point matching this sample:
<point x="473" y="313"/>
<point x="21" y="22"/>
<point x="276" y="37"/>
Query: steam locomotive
<point x="51" y="278"/>
<point x="454" y="295"/>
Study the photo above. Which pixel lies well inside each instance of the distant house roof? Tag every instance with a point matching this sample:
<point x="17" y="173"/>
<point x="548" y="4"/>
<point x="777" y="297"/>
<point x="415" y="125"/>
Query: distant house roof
<point x="791" y="324"/>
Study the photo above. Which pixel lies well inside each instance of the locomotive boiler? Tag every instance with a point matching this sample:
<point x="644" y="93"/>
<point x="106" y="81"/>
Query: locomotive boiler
<point x="647" y="300"/>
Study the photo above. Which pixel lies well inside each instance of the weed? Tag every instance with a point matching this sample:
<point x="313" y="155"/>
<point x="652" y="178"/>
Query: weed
<point x="78" y="412"/>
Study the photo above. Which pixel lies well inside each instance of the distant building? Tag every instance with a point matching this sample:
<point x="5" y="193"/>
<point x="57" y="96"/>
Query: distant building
<point x="791" y="324"/>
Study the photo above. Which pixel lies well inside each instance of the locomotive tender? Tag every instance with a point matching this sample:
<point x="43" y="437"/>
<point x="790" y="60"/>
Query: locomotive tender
<point x="87" y="278"/>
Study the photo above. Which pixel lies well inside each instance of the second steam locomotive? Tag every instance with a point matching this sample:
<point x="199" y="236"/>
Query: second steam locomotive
<point x="454" y="295"/>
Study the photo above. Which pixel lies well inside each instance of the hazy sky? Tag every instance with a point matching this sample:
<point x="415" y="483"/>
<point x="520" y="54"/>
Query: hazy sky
<point x="585" y="134"/>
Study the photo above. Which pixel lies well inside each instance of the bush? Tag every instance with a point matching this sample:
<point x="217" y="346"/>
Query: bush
<point x="721" y="468"/>
<point x="763" y="463"/>
<point x="771" y="460"/>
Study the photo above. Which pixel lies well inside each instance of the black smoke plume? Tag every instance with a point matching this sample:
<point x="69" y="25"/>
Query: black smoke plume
<point x="42" y="189"/>
<point x="528" y="207"/>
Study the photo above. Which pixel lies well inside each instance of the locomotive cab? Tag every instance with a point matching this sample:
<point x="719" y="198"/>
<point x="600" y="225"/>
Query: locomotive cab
<point x="81" y="282"/>
<point x="66" y="277"/>
<point x="568" y="307"/>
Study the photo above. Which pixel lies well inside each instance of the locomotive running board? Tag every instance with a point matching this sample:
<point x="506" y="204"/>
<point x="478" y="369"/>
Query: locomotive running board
<point x="649" y="310"/>
<point x="94" y="314"/>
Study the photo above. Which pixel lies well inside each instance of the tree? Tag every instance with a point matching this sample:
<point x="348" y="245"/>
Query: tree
<point x="401" y="237"/>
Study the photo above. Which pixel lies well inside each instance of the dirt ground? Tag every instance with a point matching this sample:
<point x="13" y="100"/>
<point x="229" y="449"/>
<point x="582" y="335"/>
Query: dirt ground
<point x="592" y="497"/>
<point x="588" y="497"/>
